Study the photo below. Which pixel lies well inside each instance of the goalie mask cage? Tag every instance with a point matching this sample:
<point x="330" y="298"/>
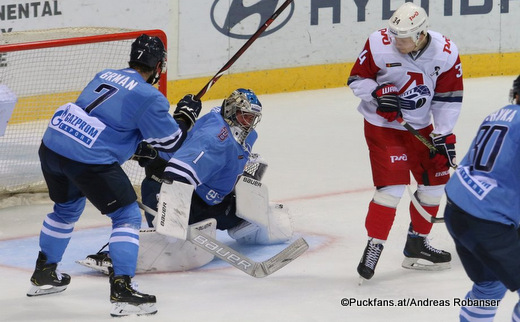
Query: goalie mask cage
<point x="46" y="69"/>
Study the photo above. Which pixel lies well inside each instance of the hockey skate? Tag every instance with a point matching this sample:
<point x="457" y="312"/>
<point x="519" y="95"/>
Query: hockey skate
<point x="368" y="262"/>
<point x="126" y="300"/>
<point x="46" y="279"/>
<point x="100" y="261"/>
<point x="420" y="255"/>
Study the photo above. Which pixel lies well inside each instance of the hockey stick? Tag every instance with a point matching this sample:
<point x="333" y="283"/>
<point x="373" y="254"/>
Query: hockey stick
<point x="242" y="49"/>
<point x="177" y="227"/>
<point x="243" y="263"/>
<point x="421" y="210"/>
<point x="416" y="133"/>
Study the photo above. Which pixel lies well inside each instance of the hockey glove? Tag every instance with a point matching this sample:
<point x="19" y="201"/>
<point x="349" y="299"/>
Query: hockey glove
<point x="155" y="168"/>
<point x="388" y="105"/>
<point x="255" y="167"/>
<point x="445" y="155"/>
<point x="144" y="154"/>
<point x="188" y="109"/>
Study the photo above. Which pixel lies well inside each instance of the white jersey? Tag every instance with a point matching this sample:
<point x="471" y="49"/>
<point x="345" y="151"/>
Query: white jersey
<point x="429" y="82"/>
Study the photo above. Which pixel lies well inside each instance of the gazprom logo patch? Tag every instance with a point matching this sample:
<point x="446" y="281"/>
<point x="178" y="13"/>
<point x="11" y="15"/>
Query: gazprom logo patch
<point x="73" y="122"/>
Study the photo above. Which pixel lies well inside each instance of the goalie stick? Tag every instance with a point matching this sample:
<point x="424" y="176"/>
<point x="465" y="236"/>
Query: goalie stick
<point x="421" y="210"/>
<point x="243" y="263"/>
<point x="242" y="49"/>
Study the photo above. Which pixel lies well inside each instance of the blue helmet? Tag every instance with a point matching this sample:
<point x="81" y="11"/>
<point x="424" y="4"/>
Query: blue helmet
<point x="242" y="111"/>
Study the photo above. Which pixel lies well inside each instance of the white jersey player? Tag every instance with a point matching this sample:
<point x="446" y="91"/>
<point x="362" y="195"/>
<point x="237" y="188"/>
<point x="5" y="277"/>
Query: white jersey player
<point x="407" y="72"/>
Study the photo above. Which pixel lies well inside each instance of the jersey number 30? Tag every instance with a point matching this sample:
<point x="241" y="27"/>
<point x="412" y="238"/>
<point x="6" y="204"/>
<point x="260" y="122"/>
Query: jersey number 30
<point x="487" y="146"/>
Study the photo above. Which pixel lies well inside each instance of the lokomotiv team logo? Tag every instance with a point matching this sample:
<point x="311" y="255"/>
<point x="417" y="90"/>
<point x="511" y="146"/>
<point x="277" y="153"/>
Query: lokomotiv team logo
<point x="235" y="20"/>
<point x="415" y="98"/>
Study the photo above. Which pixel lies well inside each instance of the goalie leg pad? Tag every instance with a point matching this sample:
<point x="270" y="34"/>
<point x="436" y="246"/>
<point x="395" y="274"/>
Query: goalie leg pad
<point x="279" y="229"/>
<point x="252" y="201"/>
<point x="160" y="253"/>
<point x="273" y="220"/>
<point x="245" y="228"/>
<point x="174" y="209"/>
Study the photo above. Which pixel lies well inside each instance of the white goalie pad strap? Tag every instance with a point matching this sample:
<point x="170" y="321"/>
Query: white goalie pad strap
<point x="161" y="253"/>
<point x="174" y="209"/>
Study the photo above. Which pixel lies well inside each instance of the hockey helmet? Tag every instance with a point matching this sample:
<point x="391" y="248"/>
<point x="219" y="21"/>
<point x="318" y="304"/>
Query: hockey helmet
<point x="150" y="52"/>
<point x="515" y="91"/>
<point x="242" y="111"/>
<point x="409" y="20"/>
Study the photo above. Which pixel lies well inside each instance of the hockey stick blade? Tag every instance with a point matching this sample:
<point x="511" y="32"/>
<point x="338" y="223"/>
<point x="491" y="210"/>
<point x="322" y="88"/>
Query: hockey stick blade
<point x="421" y="210"/>
<point x="238" y="260"/>
<point x="283" y="258"/>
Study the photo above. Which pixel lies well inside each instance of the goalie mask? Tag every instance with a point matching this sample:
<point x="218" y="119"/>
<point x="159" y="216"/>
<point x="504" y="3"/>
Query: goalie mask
<point x="150" y="52"/>
<point x="515" y="91"/>
<point x="242" y="111"/>
<point x="409" y="21"/>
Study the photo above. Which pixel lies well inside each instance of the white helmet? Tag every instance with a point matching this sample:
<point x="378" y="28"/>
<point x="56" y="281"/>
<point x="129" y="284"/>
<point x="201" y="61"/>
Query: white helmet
<point x="409" y="20"/>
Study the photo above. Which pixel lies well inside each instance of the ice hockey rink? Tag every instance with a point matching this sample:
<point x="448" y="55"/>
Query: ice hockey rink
<point x="318" y="167"/>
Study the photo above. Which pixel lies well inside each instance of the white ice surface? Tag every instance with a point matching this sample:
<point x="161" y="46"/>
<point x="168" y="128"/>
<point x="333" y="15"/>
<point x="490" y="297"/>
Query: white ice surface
<point x="318" y="166"/>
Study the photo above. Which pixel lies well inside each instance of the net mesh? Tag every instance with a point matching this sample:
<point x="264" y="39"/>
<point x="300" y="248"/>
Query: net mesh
<point x="47" y="69"/>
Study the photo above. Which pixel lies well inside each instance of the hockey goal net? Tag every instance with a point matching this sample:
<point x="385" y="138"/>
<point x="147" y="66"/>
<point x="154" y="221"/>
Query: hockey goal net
<point x="45" y="69"/>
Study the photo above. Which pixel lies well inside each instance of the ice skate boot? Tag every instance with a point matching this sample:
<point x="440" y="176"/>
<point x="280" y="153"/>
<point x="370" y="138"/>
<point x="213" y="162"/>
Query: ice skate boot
<point x="100" y="261"/>
<point x="126" y="300"/>
<point x="46" y="279"/>
<point x="420" y="255"/>
<point x="368" y="262"/>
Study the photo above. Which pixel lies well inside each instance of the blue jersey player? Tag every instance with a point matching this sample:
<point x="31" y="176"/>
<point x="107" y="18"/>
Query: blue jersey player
<point x="222" y="176"/>
<point x="81" y="153"/>
<point x="483" y="212"/>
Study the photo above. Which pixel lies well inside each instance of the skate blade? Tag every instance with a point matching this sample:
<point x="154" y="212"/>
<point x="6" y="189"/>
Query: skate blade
<point x="424" y="265"/>
<point x="45" y="290"/>
<point x="92" y="264"/>
<point x="124" y="308"/>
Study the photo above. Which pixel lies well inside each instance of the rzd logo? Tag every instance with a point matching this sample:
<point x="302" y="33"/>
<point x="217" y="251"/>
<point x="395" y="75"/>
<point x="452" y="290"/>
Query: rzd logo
<point x="396" y="158"/>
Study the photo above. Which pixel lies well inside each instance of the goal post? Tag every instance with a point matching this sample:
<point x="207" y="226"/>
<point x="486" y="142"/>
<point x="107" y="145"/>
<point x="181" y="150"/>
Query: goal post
<point x="46" y="69"/>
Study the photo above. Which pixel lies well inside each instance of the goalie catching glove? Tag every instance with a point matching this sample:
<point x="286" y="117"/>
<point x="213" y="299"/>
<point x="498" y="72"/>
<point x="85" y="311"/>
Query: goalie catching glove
<point x="445" y="155"/>
<point x="188" y="109"/>
<point x="388" y="105"/>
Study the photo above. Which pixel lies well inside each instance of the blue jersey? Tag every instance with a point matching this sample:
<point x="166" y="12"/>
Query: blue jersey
<point x="210" y="158"/>
<point x="486" y="184"/>
<point x="114" y="112"/>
